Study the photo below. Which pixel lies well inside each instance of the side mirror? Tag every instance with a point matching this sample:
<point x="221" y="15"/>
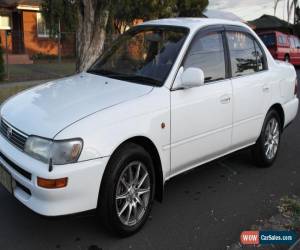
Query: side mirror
<point x="190" y="78"/>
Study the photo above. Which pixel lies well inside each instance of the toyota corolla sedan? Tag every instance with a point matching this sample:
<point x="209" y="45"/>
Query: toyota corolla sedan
<point x="168" y="96"/>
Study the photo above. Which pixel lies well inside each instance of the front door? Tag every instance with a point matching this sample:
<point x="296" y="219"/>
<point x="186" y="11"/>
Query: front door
<point x="17" y="33"/>
<point x="201" y="117"/>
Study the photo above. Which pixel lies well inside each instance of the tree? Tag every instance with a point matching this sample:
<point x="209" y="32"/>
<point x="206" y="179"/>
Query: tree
<point x="276" y="2"/>
<point x="56" y="10"/>
<point x="92" y="19"/>
<point x="191" y="8"/>
<point x="2" y="70"/>
<point x="128" y="10"/>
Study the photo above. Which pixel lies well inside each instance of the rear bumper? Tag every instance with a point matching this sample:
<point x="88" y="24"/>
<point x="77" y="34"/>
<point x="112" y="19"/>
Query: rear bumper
<point x="81" y="193"/>
<point x="290" y="111"/>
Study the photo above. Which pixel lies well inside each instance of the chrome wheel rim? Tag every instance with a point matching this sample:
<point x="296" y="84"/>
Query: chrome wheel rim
<point x="133" y="193"/>
<point x="272" y="134"/>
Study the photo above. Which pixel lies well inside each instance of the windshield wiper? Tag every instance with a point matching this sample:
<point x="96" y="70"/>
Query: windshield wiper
<point x="140" y="79"/>
<point x="131" y="78"/>
<point x="101" y="72"/>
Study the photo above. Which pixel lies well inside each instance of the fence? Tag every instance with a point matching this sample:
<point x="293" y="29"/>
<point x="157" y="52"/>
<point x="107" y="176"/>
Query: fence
<point x="32" y="56"/>
<point x="38" y="45"/>
<point x="27" y="52"/>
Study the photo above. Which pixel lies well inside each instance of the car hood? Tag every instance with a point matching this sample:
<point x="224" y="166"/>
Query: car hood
<point x="47" y="109"/>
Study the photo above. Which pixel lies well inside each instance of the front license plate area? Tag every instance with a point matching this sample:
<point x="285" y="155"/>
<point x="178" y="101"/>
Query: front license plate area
<point x="5" y="179"/>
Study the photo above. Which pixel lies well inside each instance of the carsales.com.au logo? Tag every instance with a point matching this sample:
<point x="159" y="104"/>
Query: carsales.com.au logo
<point x="268" y="237"/>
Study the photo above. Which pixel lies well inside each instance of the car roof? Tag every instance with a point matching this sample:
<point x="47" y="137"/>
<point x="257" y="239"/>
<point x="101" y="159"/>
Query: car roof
<point x="192" y="23"/>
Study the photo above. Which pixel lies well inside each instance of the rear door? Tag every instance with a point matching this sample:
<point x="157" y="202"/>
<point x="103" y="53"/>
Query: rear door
<point x="297" y="50"/>
<point x="293" y="51"/>
<point x="251" y="83"/>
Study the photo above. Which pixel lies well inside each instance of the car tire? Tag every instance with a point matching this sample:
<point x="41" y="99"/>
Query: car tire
<point x="122" y="207"/>
<point x="266" y="148"/>
<point x="287" y="58"/>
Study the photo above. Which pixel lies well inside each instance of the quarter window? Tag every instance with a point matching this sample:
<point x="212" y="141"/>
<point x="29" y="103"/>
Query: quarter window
<point x="260" y="57"/>
<point x="245" y="53"/>
<point x="207" y="53"/>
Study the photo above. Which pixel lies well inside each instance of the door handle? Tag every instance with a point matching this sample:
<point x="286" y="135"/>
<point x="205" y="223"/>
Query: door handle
<point x="225" y="99"/>
<point x="266" y="88"/>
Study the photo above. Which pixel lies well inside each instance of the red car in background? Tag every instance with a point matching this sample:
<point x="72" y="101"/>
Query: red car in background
<point x="282" y="46"/>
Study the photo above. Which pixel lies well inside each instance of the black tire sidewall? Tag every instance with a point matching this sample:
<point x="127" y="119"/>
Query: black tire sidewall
<point x="123" y="157"/>
<point x="260" y="150"/>
<point x="287" y="58"/>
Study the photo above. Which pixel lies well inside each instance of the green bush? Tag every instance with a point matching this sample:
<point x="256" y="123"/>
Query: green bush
<point x="2" y="69"/>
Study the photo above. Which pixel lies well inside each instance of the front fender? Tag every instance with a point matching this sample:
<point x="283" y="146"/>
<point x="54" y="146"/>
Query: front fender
<point x="104" y="131"/>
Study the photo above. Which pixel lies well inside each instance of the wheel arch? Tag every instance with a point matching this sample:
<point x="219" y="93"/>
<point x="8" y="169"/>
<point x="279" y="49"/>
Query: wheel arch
<point x="278" y="108"/>
<point x="150" y="147"/>
<point x="287" y="55"/>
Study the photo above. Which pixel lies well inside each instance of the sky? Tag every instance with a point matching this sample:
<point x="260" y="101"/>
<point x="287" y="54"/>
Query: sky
<point x="250" y="9"/>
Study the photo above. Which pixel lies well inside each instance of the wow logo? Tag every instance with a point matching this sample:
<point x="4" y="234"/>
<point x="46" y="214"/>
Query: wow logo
<point x="268" y="237"/>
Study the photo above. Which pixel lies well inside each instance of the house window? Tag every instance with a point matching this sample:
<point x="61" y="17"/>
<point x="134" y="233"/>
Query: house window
<point x="41" y="28"/>
<point x="4" y="22"/>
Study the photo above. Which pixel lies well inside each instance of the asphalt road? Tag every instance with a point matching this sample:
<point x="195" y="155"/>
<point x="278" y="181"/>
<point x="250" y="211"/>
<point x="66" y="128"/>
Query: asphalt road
<point x="206" y="208"/>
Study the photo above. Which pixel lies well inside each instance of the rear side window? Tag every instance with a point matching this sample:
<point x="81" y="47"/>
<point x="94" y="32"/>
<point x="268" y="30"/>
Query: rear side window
<point x="281" y="40"/>
<point x="245" y="54"/>
<point x="268" y="39"/>
<point x="207" y="53"/>
<point x="297" y="42"/>
<point x="292" y="42"/>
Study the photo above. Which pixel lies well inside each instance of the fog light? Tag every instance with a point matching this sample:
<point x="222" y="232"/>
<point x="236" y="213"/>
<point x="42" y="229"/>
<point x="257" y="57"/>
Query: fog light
<point x="52" y="184"/>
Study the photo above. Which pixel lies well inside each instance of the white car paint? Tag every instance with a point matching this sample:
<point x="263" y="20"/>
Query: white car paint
<point x="201" y="123"/>
<point x="52" y="107"/>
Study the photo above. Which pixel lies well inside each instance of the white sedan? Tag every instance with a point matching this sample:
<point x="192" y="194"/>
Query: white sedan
<point x="168" y="96"/>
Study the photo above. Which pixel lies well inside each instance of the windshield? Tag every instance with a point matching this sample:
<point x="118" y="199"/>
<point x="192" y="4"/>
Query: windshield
<point x="268" y="39"/>
<point x="144" y="54"/>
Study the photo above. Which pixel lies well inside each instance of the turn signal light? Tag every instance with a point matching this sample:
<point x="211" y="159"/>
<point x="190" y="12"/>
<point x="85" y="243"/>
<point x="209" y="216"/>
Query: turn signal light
<point x="52" y="184"/>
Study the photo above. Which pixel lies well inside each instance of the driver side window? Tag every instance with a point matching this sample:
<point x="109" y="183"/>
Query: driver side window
<point x="207" y="53"/>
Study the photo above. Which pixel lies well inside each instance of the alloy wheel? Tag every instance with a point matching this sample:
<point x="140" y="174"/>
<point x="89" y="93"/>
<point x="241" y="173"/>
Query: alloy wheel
<point x="133" y="193"/>
<point x="272" y="135"/>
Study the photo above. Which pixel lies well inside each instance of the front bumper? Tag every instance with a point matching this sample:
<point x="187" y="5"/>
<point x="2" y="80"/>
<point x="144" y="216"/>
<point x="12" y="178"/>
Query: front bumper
<point x="81" y="193"/>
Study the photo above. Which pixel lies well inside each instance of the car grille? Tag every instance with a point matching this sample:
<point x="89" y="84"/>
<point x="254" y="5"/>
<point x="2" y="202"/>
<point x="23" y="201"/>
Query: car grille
<point x="12" y="135"/>
<point x="15" y="167"/>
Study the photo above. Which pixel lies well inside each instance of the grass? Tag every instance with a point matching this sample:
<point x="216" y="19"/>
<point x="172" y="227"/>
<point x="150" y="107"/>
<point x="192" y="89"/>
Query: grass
<point x="289" y="207"/>
<point x="40" y="71"/>
<point x="8" y="91"/>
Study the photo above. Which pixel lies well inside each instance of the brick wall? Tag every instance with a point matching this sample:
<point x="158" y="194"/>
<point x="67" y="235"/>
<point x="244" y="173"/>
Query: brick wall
<point x="40" y="45"/>
<point x="48" y="46"/>
<point x="9" y="43"/>
<point x="34" y="44"/>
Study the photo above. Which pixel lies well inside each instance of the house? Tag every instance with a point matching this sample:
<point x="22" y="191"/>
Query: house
<point x="24" y="34"/>
<point x="267" y="22"/>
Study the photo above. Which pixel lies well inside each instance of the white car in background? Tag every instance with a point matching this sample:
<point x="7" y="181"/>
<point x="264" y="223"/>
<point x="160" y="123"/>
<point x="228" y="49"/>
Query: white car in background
<point x="168" y="96"/>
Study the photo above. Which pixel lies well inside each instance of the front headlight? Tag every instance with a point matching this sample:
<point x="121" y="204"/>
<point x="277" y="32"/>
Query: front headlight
<point x="61" y="152"/>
